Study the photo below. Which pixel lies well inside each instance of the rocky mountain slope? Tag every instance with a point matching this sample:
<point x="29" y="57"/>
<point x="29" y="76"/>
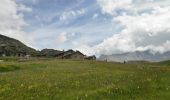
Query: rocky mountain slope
<point x="10" y="47"/>
<point x="48" y="53"/>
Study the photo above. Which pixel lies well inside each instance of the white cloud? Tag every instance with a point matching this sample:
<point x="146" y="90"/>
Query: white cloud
<point x="24" y="8"/>
<point x="143" y="28"/>
<point x="11" y="22"/>
<point x="95" y="16"/>
<point x="114" y="7"/>
<point x="71" y="14"/>
<point x="61" y="38"/>
<point x="111" y="6"/>
<point x="85" y="49"/>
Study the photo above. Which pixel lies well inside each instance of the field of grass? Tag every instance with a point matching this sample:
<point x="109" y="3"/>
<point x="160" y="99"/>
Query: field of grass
<point x="83" y="80"/>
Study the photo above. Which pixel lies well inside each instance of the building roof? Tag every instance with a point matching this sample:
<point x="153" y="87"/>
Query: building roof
<point x="65" y="52"/>
<point x="74" y="53"/>
<point x="93" y="56"/>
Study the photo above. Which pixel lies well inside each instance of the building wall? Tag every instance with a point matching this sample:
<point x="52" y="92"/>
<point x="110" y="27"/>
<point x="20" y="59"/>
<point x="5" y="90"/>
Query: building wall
<point x="60" y="56"/>
<point x="76" y="56"/>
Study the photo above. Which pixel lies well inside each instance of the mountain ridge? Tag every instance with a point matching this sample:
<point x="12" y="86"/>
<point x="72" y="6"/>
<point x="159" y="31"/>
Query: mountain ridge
<point x="137" y="56"/>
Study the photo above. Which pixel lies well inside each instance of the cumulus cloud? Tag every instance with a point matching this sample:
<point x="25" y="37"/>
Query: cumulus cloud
<point x="11" y="21"/>
<point x="111" y="6"/>
<point x="145" y="27"/>
<point x="116" y="7"/>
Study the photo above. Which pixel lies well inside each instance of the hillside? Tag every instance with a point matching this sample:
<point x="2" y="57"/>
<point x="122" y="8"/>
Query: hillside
<point x="10" y="47"/>
<point x="48" y="53"/>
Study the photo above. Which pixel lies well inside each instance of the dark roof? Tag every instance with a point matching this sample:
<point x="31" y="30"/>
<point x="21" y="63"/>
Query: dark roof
<point x="69" y="51"/>
<point x="74" y="53"/>
<point x="90" y="57"/>
<point x="65" y="52"/>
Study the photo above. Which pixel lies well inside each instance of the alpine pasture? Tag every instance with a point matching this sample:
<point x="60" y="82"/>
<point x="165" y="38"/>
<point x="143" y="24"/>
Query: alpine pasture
<point x="53" y="79"/>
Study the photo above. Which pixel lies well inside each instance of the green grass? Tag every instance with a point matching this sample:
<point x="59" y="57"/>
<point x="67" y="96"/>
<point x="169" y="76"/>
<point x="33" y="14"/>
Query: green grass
<point x="9" y="58"/>
<point x="7" y="68"/>
<point x="83" y="80"/>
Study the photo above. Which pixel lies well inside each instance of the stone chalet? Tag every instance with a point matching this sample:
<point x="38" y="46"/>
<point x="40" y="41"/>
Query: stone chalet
<point x="90" y="57"/>
<point x="71" y="54"/>
<point x="21" y="54"/>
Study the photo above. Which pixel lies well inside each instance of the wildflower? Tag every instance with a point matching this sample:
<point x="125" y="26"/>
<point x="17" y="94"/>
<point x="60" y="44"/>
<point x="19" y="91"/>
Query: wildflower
<point x="30" y="87"/>
<point x="22" y="85"/>
<point x="86" y="95"/>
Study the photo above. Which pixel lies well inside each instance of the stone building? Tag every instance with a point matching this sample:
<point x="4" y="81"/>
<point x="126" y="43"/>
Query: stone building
<point x="90" y="57"/>
<point x="70" y="54"/>
<point x="21" y="54"/>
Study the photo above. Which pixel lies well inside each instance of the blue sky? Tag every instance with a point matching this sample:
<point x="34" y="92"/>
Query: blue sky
<point x="82" y="21"/>
<point x="91" y="26"/>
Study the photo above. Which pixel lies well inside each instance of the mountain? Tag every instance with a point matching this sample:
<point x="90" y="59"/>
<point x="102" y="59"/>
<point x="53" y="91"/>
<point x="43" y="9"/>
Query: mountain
<point x="11" y="47"/>
<point x="137" y="56"/>
<point x="49" y="53"/>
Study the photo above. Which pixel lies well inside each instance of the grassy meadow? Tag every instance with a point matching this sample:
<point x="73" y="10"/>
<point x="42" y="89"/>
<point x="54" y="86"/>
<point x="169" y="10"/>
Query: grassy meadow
<point x="83" y="80"/>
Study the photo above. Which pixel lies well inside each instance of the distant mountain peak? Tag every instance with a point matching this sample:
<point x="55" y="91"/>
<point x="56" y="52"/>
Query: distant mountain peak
<point x="136" y="56"/>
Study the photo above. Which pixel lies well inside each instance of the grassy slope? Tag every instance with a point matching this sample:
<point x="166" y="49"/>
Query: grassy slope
<point x="83" y="80"/>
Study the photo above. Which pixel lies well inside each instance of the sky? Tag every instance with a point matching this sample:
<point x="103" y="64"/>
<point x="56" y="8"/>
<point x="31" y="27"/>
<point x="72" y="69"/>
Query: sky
<point x="91" y="26"/>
